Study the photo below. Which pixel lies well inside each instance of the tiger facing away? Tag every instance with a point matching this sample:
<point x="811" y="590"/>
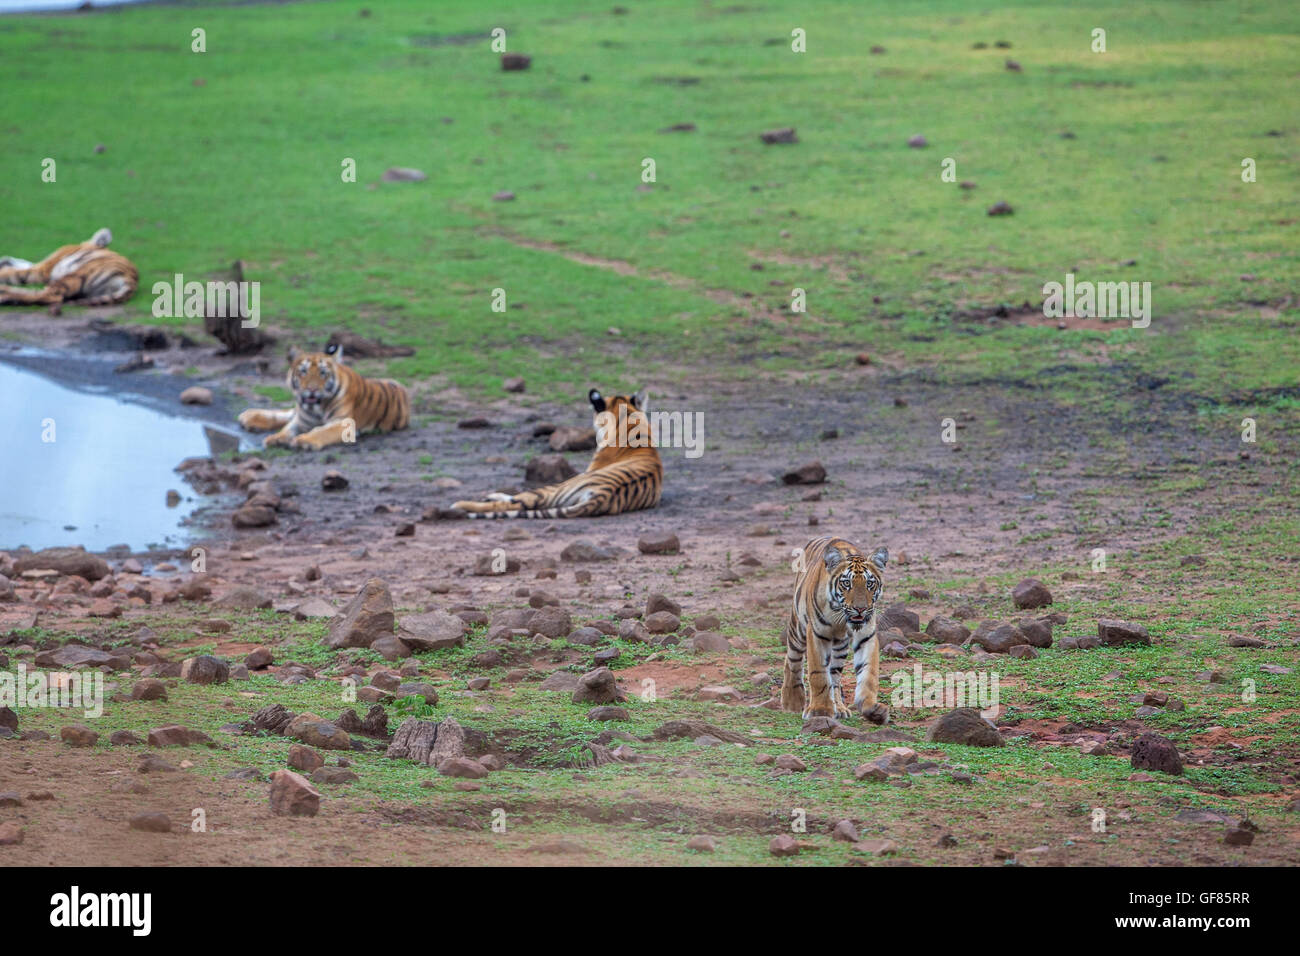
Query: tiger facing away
<point x="833" y="612"/>
<point x="332" y="404"/>
<point x="86" y="271"/>
<point x="625" y="474"/>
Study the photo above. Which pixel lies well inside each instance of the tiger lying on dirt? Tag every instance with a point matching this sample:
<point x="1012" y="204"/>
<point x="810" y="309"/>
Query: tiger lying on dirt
<point x="834" y="609"/>
<point x="625" y="474"/>
<point x="332" y="404"/>
<point x="86" y="271"/>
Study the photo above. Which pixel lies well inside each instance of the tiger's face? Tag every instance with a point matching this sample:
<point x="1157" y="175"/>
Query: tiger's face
<point x="854" y="583"/>
<point x="314" y="378"/>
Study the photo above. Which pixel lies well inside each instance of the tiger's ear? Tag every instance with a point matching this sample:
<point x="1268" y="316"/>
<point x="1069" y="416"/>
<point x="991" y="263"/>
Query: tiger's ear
<point x="639" y="400"/>
<point x="294" y="353"/>
<point x="102" y="237"/>
<point x="833" y="558"/>
<point x="880" y="557"/>
<point x="597" y="402"/>
<point x="335" y="351"/>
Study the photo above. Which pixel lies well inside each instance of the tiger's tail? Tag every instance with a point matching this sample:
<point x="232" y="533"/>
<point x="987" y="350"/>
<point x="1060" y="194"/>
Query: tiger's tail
<point x="509" y="508"/>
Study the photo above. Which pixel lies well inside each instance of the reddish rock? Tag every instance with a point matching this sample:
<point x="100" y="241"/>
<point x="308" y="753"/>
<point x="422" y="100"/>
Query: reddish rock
<point x="291" y="795"/>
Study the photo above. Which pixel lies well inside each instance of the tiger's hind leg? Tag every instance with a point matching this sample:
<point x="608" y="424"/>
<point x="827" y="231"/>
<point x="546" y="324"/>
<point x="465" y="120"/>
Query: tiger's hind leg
<point x="793" y="694"/>
<point x="50" y="295"/>
<point x="264" y="419"/>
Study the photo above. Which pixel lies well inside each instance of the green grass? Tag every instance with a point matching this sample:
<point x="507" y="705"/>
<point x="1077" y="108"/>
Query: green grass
<point x="247" y="165"/>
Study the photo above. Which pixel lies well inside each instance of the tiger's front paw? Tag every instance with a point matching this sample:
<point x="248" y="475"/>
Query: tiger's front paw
<point x="279" y="440"/>
<point x="792" y="699"/>
<point x="842" y="710"/>
<point x="304" y="441"/>
<point x="877" y="714"/>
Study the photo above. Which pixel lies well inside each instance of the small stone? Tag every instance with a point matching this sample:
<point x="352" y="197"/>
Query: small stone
<point x="702" y="844"/>
<point x="78" y="735"/>
<point x="196" y="395"/>
<point x="151" y="822"/>
<point x="845" y="832"/>
<point x="783" y="845"/>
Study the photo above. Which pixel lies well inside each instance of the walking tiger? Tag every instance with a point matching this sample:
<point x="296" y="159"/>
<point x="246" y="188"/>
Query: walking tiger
<point x="833" y="613"/>
<point x="625" y="474"/>
<point x="85" y="271"/>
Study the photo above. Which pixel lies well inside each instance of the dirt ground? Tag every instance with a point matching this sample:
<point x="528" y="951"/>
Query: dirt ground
<point x="1030" y="483"/>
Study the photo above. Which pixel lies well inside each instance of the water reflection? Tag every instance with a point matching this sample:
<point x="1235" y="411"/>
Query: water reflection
<point x="90" y="469"/>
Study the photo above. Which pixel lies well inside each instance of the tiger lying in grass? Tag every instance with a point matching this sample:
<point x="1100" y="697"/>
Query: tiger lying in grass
<point x="86" y="271"/>
<point x="624" y="475"/>
<point x="834" y="609"/>
<point x="332" y="404"/>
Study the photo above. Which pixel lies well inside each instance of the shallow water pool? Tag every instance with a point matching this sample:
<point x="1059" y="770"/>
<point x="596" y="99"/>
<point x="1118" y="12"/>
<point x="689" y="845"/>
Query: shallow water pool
<point x="84" y="466"/>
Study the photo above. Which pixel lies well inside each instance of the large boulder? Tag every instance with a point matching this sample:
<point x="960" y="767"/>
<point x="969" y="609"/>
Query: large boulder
<point x="291" y="795"/>
<point x="1153" y="752"/>
<point x="598" y="687"/>
<point x="946" y="631"/>
<point x="205" y="669"/>
<point x="1031" y="593"/>
<point x="66" y="561"/>
<point x="898" y="616"/>
<point x="999" y="638"/>
<point x="77" y="655"/>
<point x="1114" y="633"/>
<point x="319" y="733"/>
<point x="367" y="617"/>
<point x="551" y="621"/>
<point x="432" y="631"/>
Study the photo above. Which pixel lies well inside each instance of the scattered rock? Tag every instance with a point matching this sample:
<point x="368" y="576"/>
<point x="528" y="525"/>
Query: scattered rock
<point x="598" y="687"/>
<point x="548" y="470"/>
<point x="664" y="543"/>
<point x="1031" y="593"/>
<point x="78" y="735"/>
<point x="366" y="618"/>
<point x="304" y="758"/>
<point x="196" y="395"/>
<point x="403" y="174"/>
<point x="151" y="822"/>
<point x="785" y="134"/>
<point x="812" y="473"/>
<point x="964" y="726"/>
<point x="291" y="795"/>
<point x="66" y="561"/>
<point x="1113" y="633"/>
<point x="205" y="669"/>
<point x="946" y="631"/>
<point x="783" y="845"/>
<point x="1154" y="752"/>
